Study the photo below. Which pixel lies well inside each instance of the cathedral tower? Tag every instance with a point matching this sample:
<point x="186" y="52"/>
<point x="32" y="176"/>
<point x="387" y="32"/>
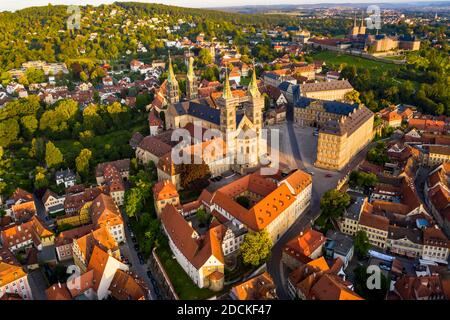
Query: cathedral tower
<point x="257" y="103"/>
<point x="354" y="31"/>
<point x="172" y="86"/>
<point x="362" y="28"/>
<point x="191" y="81"/>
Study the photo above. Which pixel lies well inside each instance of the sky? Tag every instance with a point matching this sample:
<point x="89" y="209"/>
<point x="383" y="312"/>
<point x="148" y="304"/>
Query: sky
<point x="12" y="5"/>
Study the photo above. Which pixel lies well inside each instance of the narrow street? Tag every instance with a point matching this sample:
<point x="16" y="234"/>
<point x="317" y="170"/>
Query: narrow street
<point x="128" y="251"/>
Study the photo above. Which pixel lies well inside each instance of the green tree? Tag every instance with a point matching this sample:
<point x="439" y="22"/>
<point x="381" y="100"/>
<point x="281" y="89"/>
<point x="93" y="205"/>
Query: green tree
<point x="333" y="203"/>
<point x="352" y="97"/>
<point x="204" y="57"/>
<point x="202" y="216"/>
<point x="255" y="249"/>
<point x="362" y="244"/>
<point x="362" y="179"/>
<point x="82" y="162"/>
<point x="133" y="203"/>
<point x="53" y="156"/>
<point x="29" y="124"/>
<point x="9" y="132"/>
<point x="40" y="178"/>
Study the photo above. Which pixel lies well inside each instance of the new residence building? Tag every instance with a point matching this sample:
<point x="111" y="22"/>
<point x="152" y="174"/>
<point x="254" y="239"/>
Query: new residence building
<point x="340" y="140"/>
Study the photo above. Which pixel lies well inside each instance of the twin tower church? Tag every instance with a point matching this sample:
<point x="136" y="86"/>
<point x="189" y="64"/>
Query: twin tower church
<point x="236" y="116"/>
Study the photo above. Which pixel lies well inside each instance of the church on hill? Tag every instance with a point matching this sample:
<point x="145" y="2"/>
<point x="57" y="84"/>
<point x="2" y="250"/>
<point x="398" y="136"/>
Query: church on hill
<point x="236" y="116"/>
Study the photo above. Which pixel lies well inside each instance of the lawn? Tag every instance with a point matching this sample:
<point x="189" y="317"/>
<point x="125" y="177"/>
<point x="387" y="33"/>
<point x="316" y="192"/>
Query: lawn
<point x="184" y="287"/>
<point x="335" y="58"/>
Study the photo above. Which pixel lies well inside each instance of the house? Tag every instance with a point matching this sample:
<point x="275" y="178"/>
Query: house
<point x="136" y="138"/>
<point x="64" y="241"/>
<point x="339" y="245"/>
<point x="164" y="193"/>
<point x="53" y="203"/>
<point x="83" y="246"/>
<point x="127" y="286"/>
<point x="419" y="288"/>
<point x="152" y="149"/>
<point x="24" y="235"/>
<point x="304" y="248"/>
<point x="320" y="279"/>
<point x="436" y="245"/>
<point x="66" y="177"/>
<point x="13" y="278"/>
<point x="260" y="287"/>
<point x="108" y="81"/>
<point x="200" y="257"/>
<point x="122" y="166"/>
<point x="105" y="213"/>
<point x="135" y="65"/>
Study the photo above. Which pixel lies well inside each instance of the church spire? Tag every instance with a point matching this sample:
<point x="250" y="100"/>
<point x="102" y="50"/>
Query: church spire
<point x="362" y="20"/>
<point x="190" y="72"/>
<point x="253" y="85"/>
<point x="171" y="76"/>
<point x="226" y="87"/>
<point x="354" y="22"/>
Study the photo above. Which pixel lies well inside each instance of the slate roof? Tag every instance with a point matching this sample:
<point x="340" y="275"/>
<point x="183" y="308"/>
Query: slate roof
<point x="335" y="107"/>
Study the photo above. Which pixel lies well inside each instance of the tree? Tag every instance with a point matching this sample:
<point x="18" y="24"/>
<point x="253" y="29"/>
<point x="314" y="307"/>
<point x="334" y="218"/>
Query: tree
<point x="243" y="201"/>
<point x="333" y="203"/>
<point x="40" y="178"/>
<point x="362" y="179"/>
<point x="202" y="216"/>
<point x="53" y="156"/>
<point x="37" y="150"/>
<point x="82" y="162"/>
<point x="192" y="173"/>
<point x="352" y="97"/>
<point x="204" y="57"/>
<point x="9" y="132"/>
<point x="362" y="244"/>
<point x="133" y="203"/>
<point x="29" y="124"/>
<point x="255" y="248"/>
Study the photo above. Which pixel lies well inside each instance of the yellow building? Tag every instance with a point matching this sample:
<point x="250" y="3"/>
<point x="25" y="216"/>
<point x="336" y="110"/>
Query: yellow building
<point x="164" y="193"/>
<point x="327" y="90"/>
<point x="76" y="220"/>
<point x="340" y="140"/>
<point x="437" y="155"/>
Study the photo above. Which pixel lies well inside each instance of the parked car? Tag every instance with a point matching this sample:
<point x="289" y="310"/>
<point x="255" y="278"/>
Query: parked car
<point x="141" y="258"/>
<point x="136" y="247"/>
<point x="328" y="175"/>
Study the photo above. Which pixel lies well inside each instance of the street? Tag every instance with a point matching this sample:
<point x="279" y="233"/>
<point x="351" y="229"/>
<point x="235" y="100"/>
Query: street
<point x="300" y="148"/>
<point x="128" y="251"/>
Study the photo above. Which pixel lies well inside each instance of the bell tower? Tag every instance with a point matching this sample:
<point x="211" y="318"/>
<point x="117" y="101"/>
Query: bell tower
<point x="227" y="104"/>
<point x="172" y="85"/>
<point x="257" y="103"/>
<point x="191" y="81"/>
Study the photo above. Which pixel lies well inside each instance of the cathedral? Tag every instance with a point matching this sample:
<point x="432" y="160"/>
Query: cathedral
<point x="237" y="118"/>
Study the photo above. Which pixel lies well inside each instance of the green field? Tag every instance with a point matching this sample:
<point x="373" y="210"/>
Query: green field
<point x="337" y="59"/>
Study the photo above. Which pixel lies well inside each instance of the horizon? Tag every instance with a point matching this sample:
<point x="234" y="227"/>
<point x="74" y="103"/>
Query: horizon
<point x="22" y="4"/>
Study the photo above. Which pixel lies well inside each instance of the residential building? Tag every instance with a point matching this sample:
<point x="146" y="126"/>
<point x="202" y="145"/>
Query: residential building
<point x="260" y="287"/>
<point x="64" y="241"/>
<point x="66" y="177"/>
<point x="27" y="234"/>
<point x="164" y="192"/>
<point x="339" y="245"/>
<point x="105" y="213"/>
<point x="53" y="203"/>
<point x="306" y="247"/>
<point x="13" y="278"/>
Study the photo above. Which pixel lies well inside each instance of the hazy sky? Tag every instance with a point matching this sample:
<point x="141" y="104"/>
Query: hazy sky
<point x="19" y="4"/>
